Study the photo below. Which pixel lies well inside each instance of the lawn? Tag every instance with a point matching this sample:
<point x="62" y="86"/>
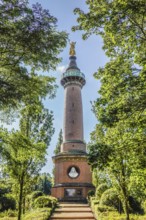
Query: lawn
<point x="37" y="214"/>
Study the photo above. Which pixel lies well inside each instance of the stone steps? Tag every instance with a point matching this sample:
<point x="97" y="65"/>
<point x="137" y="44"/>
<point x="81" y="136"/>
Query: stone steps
<point x="73" y="205"/>
<point x="72" y="211"/>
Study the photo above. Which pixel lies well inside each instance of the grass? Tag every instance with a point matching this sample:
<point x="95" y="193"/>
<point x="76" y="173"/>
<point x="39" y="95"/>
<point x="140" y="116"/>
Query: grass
<point x="108" y="213"/>
<point x="8" y="215"/>
<point x="117" y="216"/>
<point x="8" y="218"/>
<point x="37" y="214"/>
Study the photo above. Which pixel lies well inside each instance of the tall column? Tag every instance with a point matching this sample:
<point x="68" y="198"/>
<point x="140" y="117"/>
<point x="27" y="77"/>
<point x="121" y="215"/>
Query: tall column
<point x="73" y="81"/>
<point x="73" y="177"/>
<point x="73" y="117"/>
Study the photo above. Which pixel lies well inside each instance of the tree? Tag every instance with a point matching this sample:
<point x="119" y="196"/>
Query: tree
<point x="58" y="145"/>
<point x="119" y="139"/>
<point x="121" y="23"/>
<point x="23" y="159"/>
<point x="44" y="183"/>
<point x="24" y="151"/>
<point x="6" y="199"/>
<point x="29" y="43"/>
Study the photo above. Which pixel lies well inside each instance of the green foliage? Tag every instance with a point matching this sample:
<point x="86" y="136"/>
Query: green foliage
<point x="45" y="201"/>
<point x="23" y="160"/>
<point x="24" y="151"/>
<point x="110" y="198"/>
<point x="58" y="145"/>
<point x="9" y="214"/>
<point x="135" y="206"/>
<point x="100" y="189"/>
<point x="91" y="193"/>
<point x="29" y="199"/>
<point x="144" y="206"/>
<point x="100" y="177"/>
<point x="118" y="142"/>
<point x="104" y="212"/>
<point x="41" y="214"/>
<point x="94" y="202"/>
<point x="44" y="183"/>
<point x="120" y="23"/>
<point x="28" y="37"/>
<point x="36" y="122"/>
<point x="30" y="43"/>
<point x="104" y="208"/>
<point x="7" y="200"/>
<point x="100" y="151"/>
<point x="36" y="194"/>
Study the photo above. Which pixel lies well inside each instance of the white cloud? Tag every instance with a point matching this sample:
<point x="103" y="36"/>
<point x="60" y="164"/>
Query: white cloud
<point x="61" y="69"/>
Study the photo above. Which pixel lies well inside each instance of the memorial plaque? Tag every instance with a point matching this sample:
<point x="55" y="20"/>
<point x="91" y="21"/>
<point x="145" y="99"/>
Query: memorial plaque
<point x="73" y="192"/>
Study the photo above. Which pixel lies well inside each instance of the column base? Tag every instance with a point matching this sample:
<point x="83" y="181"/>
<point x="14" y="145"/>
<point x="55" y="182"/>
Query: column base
<point x="76" y="192"/>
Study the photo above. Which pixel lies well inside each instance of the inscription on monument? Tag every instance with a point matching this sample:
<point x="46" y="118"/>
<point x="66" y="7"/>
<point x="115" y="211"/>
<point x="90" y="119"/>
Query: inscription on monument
<point x="73" y="192"/>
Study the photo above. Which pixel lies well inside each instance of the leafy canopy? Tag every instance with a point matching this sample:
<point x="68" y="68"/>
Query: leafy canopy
<point x="29" y="42"/>
<point x="118" y="142"/>
<point x="59" y="142"/>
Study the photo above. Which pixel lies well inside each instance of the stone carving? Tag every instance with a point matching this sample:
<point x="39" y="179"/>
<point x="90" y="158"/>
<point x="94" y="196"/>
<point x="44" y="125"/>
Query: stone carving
<point x="73" y="173"/>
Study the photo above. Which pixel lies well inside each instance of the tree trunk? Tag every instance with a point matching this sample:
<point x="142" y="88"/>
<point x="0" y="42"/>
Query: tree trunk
<point x="20" y="197"/>
<point x="126" y="208"/>
<point x="125" y="194"/>
<point x="122" y="183"/>
<point x="127" y="211"/>
<point x="24" y="205"/>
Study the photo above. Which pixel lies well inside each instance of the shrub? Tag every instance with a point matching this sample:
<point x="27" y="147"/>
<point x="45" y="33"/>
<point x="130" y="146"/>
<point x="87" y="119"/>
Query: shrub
<point x="31" y="198"/>
<point x="41" y="214"/>
<point x="11" y="213"/>
<point x="7" y="202"/>
<point x="104" y="208"/>
<point x="95" y="202"/>
<point x="2" y="214"/>
<point x="135" y="206"/>
<point x="144" y="206"/>
<point x="100" y="189"/>
<point x="91" y="193"/>
<point x="45" y="201"/>
<point x="36" y="194"/>
<point x="110" y="198"/>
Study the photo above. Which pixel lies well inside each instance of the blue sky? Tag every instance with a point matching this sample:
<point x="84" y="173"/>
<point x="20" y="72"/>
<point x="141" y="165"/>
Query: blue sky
<point x="90" y="57"/>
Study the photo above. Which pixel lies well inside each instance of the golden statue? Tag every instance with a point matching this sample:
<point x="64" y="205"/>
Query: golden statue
<point x="72" y="49"/>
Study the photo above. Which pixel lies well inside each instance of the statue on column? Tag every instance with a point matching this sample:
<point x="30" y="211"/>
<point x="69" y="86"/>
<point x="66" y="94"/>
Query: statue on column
<point x="72" y="49"/>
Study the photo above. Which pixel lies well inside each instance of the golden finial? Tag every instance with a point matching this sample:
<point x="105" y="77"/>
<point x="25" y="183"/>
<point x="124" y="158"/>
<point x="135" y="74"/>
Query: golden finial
<point x="72" y="49"/>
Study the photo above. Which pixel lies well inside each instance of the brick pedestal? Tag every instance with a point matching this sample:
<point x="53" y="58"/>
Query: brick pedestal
<point x="77" y="187"/>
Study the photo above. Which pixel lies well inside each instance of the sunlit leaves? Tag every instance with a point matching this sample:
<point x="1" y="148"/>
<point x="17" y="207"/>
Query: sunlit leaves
<point x="29" y="42"/>
<point x="119" y="141"/>
<point x="59" y="142"/>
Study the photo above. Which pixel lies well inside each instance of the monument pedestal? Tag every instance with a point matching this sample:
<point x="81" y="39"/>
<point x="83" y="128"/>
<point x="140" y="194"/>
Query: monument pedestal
<point x="72" y="177"/>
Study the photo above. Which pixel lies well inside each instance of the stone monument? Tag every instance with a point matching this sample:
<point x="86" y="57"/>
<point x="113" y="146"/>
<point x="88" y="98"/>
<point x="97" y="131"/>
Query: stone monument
<point x="73" y="178"/>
